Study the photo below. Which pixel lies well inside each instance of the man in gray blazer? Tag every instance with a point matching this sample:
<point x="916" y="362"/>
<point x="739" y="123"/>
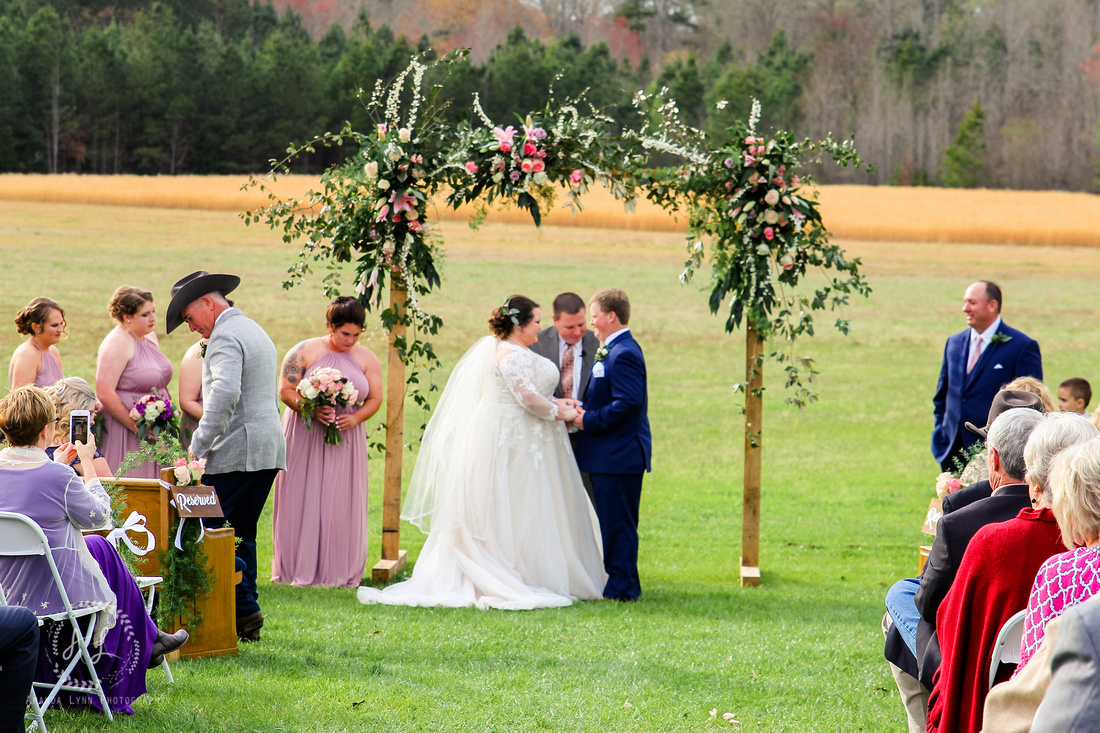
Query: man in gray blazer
<point x="240" y="434"/>
<point x="569" y="342"/>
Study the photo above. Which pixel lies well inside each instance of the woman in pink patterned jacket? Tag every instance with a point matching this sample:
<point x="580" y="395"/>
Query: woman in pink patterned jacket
<point x="1071" y="577"/>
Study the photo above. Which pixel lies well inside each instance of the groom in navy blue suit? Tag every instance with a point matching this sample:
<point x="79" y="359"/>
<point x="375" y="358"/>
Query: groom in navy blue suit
<point x="614" y="446"/>
<point x="977" y="363"/>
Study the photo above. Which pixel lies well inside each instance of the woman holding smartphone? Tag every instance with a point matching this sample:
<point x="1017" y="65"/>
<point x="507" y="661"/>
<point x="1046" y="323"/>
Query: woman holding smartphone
<point x="37" y="360"/>
<point x="75" y="401"/>
<point x="126" y="641"/>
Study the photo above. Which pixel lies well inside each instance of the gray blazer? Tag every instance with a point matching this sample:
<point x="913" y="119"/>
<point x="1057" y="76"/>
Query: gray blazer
<point x="1072" y="702"/>
<point x="549" y="346"/>
<point x="240" y="428"/>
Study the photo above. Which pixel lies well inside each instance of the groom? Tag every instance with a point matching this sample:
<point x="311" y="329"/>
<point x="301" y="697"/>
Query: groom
<point x="614" y="446"/>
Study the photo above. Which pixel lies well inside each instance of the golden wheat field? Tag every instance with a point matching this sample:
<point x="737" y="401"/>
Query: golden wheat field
<point x="877" y="213"/>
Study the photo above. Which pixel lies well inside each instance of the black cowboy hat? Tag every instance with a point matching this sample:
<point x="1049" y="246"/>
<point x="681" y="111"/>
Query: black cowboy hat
<point x="194" y="286"/>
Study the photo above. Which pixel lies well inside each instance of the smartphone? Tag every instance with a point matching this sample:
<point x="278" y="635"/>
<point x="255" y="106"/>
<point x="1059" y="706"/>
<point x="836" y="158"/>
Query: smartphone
<point x="79" y="425"/>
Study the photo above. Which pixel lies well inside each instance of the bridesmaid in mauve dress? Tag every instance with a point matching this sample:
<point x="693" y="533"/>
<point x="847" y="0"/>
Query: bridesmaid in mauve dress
<point x="190" y="391"/>
<point x="37" y="360"/>
<point x="320" y="533"/>
<point x="130" y="365"/>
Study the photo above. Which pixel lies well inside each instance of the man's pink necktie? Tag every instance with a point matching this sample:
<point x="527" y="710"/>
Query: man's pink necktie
<point x="975" y="352"/>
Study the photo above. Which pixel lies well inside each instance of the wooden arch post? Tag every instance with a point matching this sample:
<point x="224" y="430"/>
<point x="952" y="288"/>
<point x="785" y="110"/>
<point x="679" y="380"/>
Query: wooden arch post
<point x="393" y="557"/>
<point x="754" y="414"/>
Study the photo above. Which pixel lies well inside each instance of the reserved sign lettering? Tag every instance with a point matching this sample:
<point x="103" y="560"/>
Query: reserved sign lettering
<point x="932" y="518"/>
<point x="197" y="501"/>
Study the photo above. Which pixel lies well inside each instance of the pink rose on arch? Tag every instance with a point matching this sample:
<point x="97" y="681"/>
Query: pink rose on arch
<point x="529" y="149"/>
<point x="750" y="140"/>
<point x="538" y="166"/>
<point x="771" y="198"/>
<point x="382" y="129"/>
<point x="576" y="176"/>
<point x="527" y="165"/>
<point x="414" y="226"/>
<point x="769" y="233"/>
<point x="471" y="167"/>
<point x="506" y="147"/>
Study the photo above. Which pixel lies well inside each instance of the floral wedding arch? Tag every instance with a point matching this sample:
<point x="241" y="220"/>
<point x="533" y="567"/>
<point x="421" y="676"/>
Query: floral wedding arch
<point x="745" y="199"/>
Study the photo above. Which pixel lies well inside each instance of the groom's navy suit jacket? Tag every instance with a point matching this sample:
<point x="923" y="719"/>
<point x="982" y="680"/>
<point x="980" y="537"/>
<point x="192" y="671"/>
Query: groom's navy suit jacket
<point x="962" y="397"/>
<point x="616" y="436"/>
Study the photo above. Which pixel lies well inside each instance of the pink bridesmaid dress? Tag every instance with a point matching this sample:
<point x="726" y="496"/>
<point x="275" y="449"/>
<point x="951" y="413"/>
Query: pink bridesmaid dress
<point x="320" y="532"/>
<point x="148" y="371"/>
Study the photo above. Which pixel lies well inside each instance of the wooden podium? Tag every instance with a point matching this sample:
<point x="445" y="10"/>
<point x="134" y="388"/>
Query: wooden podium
<point x="218" y="633"/>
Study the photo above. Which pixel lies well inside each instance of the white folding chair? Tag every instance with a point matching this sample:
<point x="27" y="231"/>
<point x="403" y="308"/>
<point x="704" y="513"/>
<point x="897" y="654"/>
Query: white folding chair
<point x="147" y="584"/>
<point x="21" y="537"/>
<point x="1006" y="650"/>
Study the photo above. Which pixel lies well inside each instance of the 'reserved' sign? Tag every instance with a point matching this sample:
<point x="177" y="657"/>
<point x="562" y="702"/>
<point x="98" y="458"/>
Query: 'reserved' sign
<point x="196" y="501"/>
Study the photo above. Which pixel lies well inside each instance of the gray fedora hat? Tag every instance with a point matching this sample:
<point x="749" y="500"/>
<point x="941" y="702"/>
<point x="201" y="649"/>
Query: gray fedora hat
<point x="191" y="288"/>
<point x="1005" y="400"/>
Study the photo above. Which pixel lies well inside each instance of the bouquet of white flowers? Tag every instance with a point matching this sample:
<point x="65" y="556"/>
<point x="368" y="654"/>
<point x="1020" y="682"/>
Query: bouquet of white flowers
<point x="325" y="386"/>
<point x="154" y="414"/>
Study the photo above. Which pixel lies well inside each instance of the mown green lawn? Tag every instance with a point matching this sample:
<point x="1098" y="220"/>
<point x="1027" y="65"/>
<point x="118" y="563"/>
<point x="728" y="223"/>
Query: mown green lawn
<point x="846" y="484"/>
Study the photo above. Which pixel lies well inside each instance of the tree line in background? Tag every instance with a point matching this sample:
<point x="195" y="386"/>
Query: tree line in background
<point x="1001" y="93"/>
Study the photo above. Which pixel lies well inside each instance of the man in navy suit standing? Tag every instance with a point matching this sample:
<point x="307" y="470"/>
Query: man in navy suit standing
<point x="977" y="362"/>
<point x="615" y="445"/>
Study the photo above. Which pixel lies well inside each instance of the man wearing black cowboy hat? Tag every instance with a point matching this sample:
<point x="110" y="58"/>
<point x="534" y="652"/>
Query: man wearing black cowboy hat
<point x="240" y="435"/>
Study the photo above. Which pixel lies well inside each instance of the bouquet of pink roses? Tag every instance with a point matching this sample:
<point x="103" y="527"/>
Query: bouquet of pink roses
<point x="325" y="387"/>
<point x="189" y="473"/>
<point x="947" y="483"/>
<point x="154" y="414"/>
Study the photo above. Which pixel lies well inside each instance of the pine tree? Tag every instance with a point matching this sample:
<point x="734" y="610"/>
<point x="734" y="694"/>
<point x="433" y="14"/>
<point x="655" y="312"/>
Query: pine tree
<point x="964" y="159"/>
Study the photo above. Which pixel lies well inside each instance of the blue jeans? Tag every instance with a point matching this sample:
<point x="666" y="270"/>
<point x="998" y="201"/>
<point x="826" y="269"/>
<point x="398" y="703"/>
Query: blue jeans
<point x="902" y="607"/>
<point x="18" y="658"/>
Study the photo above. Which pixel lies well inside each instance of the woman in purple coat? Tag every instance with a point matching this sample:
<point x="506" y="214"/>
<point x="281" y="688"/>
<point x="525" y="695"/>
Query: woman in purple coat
<point x="126" y="641"/>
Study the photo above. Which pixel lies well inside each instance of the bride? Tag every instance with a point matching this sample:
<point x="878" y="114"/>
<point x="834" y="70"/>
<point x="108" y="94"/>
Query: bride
<point x="496" y="487"/>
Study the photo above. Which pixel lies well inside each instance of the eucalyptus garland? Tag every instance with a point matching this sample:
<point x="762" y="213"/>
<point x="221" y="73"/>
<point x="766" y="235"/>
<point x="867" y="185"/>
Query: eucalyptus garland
<point x="750" y="202"/>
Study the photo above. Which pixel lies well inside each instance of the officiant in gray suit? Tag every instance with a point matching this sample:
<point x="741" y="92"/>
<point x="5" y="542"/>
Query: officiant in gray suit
<point x="569" y="344"/>
<point x="240" y="435"/>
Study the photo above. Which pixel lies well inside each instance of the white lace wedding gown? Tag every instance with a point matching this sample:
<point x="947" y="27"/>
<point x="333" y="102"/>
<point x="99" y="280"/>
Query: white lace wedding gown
<point x="497" y="490"/>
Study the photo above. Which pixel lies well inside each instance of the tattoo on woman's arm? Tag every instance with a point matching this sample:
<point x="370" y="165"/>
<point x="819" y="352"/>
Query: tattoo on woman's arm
<point x="294" y="364"/>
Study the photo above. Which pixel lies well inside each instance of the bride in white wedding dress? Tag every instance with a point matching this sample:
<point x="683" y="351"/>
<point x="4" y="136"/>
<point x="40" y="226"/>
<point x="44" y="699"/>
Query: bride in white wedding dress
<point x="496" y="487"/>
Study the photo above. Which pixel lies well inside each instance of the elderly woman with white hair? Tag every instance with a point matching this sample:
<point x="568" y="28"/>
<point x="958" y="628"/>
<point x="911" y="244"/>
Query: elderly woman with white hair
<point x="1071" y="577"/>
<point x="74" y="393"/>
<point x="994" y="580"/>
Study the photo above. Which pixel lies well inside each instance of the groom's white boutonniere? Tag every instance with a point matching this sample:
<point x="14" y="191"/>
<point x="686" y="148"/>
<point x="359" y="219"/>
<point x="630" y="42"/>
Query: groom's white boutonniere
<point x="999" y="338"/>
<point x="601" y="353"/>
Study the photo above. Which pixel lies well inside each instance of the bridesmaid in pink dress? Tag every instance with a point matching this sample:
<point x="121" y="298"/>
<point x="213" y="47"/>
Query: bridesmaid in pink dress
<point x="37" y="360"/>
<point x="320" y="533"/>
<point x="190" y="391"/>
<point x="130" y="365"/>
